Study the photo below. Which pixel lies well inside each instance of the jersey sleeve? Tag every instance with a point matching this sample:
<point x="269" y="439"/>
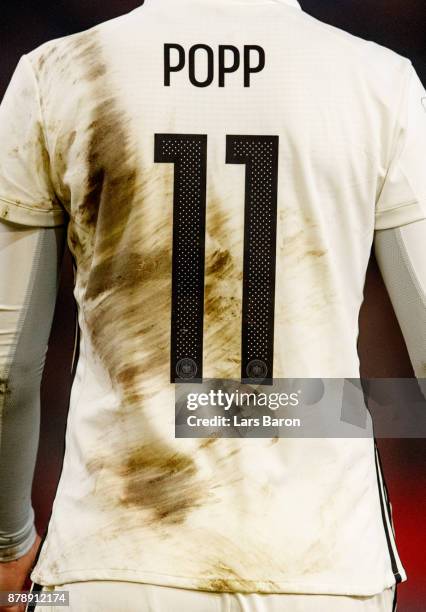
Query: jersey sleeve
<point x="27" y="195"/>
<point x="403" y="197"/>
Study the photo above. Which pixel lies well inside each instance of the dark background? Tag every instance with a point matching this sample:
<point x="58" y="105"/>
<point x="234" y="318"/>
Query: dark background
<point x="397" y="24"/>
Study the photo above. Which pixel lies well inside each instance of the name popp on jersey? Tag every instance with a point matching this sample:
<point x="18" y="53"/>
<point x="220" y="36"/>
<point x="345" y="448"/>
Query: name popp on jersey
<point x="206" y="66"/>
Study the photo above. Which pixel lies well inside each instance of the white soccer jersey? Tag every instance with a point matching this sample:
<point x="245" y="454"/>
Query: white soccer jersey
<point x="162" y="136"/>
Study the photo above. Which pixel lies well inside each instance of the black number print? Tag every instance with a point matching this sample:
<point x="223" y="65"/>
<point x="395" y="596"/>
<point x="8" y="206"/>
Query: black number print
<point x="260" y="156"/>
<point x="189" y="154"/>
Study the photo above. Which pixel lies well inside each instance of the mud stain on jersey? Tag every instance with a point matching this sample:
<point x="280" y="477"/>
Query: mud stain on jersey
<point x="315" y="253"/>
<point x="162" y="482"/>
<point x="111" y="177"/>
<point x="302" y="244"/>
<point x="43" y="159"/>
<point x="226" y="579"/>
<point x="206" y="443"/>
<point x="122" y="247"/>
<point x="103" y="249"/>
<point x="14" y="152"/>
<point x="51" y="50"/>
<point x="90" y="53"/>
<point x="4" y="387"/>
<point x="127" y="270"/>
<point x="219" y="263"/>
<point x="302" y="253"/>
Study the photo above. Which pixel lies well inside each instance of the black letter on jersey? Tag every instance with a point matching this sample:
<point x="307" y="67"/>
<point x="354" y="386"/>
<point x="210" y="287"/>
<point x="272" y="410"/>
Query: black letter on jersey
<point x="260" y="155"/>
<point x="222" y="68"/>
<point x="188" y="152"/>
<point x="252" y="69"/>
<point x="168" y="69"/>
<point x="210" y="66"/>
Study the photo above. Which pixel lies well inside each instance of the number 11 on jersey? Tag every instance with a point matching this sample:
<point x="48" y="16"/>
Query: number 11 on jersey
<point x="188" y="153"/>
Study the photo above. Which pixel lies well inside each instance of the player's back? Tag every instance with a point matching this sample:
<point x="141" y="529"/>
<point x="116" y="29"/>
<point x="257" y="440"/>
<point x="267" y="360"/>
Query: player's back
<point x="326" y="103"/>
<point x="223" y="166"/>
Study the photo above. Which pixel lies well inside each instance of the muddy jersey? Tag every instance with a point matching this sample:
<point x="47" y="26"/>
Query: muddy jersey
<point x="159" y="138"/>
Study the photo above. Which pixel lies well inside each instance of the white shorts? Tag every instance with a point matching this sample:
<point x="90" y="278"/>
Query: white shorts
<point x="111" y="596"/>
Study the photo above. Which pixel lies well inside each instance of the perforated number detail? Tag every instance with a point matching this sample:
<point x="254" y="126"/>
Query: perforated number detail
<point x="260" y="156"/>
<point x="189" y="154"/>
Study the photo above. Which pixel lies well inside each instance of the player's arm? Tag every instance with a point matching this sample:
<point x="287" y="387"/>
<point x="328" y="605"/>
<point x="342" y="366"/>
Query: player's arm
<point x="401" y="255"/>
<point x="32" y="228"/>
<point x="29" y="270"/>
<point x="400" y="237"/>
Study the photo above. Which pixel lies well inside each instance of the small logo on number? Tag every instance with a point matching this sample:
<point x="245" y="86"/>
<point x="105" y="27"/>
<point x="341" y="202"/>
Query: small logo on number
<point x="257" y="369"/>
<point x="186" y="368"/>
